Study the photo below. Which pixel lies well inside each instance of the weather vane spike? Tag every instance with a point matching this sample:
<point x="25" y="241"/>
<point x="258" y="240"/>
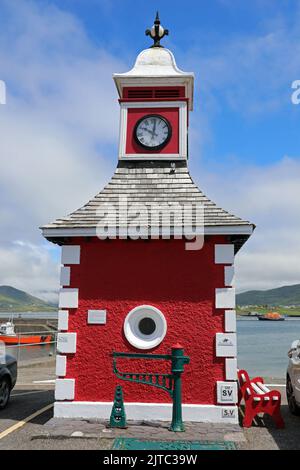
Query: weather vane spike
<point x="157" y="32"/>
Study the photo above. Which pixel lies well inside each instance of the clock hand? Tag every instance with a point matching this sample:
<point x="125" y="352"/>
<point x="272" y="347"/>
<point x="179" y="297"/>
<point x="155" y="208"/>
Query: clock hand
<point x="153" y="130"/>
<point x="148" y="130"/>
<point x="154" y="127"/>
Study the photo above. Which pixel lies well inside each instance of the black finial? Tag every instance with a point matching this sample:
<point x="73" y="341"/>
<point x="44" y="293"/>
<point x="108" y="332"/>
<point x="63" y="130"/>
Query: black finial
<point x="157" y="32"/>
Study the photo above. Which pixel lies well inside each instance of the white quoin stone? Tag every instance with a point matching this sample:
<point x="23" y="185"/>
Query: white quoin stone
<point x="225" y="298"/>
<point x="66" y="343"/>
<point x="63" y="320"/>
<point x="230" y="321"/>
<point x="231" y="368"/>
<point x="70" y="254"/>
<point x="68" y="298"/>
<point x="61" y="365"/>
<point x="227" y="392"/>
<point x="226" y="344"/>
<point x="64" y="389"/>
<point x="65" y="274"/>
<point x="224" y="254"/>
<point x="229" y="279"/>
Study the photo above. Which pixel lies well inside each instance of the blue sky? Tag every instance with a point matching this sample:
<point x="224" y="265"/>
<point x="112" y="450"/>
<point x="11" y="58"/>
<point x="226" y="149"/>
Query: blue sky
<point x="206" y="27"/>
<point x="60" y="124"/>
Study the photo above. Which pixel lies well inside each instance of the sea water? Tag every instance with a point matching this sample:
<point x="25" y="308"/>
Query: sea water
<point x="263" y="345"/>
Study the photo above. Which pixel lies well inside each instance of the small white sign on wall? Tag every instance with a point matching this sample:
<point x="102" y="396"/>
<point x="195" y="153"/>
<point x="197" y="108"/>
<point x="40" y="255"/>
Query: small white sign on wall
<point x="229" y="413"/>
<point x="226" y="344"/>
<point x="96" y="317"/>
<point x="227" y="392"/>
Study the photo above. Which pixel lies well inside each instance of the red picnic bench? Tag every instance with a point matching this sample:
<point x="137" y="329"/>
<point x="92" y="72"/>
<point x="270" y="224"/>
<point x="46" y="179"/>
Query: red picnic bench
<point x="258" y="399"/>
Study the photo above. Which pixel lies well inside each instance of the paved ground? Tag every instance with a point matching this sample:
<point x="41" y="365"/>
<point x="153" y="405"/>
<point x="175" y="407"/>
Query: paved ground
<point x="39" y="375"/>
<point x="43" y="432"/>
<point x="264" y="435"/>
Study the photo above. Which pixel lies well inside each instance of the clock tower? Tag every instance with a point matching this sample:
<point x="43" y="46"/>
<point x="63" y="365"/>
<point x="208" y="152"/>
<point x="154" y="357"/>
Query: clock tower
<point x="155" y="99"/>
<point x="148" y="292"/>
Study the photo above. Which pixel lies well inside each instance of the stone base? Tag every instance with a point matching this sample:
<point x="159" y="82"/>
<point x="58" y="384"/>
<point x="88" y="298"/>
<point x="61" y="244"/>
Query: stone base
<point x="147" y="411"/>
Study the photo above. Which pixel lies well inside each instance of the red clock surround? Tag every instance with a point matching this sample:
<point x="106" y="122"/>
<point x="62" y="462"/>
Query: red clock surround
<point x="134" y="114"/>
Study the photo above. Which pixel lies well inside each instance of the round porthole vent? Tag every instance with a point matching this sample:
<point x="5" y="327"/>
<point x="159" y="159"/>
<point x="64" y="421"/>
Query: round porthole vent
<point x="145" y="327"/>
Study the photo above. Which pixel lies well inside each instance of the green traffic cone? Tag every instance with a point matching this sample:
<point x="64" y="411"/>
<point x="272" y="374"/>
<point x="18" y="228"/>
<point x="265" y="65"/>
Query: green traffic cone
<point x="118" y="416"/>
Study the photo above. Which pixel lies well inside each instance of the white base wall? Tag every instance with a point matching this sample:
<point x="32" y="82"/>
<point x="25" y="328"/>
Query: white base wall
<point x="147" y="411"/>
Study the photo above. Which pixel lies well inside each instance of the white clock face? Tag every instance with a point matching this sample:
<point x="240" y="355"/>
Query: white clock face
<point x="152" y="132"/>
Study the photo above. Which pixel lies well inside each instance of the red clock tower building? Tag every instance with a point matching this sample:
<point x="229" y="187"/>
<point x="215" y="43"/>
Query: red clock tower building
<point x="133" y="280"/>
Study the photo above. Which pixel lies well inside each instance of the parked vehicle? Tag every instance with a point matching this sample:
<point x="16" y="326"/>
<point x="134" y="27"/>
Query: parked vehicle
<point x="293" y="378"/>
<point x="8" y="378"/>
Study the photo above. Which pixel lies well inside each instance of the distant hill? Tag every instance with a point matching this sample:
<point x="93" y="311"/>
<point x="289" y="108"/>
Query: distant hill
<point x="15" y="300"/>
<point x="286" y="295"/>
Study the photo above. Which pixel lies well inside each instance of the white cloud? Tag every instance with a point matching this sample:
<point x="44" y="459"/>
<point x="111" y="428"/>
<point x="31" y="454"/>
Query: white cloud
<point x="269" y="197"/>
<point x="31" y="268"/>
<point x="60" y="117"/>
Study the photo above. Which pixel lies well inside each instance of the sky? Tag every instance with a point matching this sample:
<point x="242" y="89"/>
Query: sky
<point x="59" y="126"/>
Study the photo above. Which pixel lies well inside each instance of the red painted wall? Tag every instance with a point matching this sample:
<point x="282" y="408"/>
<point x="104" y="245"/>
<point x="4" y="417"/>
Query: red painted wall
<point x="118" y="275"/>
<point x="171" y="114"/>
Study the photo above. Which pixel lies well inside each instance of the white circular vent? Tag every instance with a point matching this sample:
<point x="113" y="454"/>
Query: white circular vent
<point x="145" y="327"/>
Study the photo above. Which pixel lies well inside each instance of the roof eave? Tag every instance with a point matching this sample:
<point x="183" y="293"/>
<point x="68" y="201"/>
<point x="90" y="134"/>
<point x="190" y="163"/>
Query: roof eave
<point x="243" y="229"/>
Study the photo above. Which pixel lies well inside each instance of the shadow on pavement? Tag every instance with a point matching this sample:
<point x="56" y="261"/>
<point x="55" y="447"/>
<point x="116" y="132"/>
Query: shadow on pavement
<point x="287" y="438"/>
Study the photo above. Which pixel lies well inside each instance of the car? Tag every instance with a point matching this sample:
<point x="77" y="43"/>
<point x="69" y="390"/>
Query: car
<point x="8" y="378"/>
<point x="293" y="378"/>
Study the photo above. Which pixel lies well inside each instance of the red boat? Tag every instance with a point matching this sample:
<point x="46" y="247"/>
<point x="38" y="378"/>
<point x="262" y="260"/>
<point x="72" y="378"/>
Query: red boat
<point x="8" y="336"/>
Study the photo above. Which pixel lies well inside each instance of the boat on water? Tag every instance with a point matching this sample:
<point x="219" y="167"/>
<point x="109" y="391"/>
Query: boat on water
<point x="271" y="316"/>
<point x="9" y="336"/>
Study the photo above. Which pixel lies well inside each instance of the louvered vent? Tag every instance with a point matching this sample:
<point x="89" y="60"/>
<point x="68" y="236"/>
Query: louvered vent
<point x="167" y="93"/>
<point x="153" y="93"/>
<point x="142" y="93"/>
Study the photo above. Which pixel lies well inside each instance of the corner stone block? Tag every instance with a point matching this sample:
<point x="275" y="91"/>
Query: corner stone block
<point x="70" y="254"/>
<point x="66" y="343"/>
<point x="65" y="274"/>
<point x="227" y="392"/>
<point x="225" y="298"/>
<point x="68" y="298"/>
<point x="229" y="278"/>
<point x="230" y="321"/>
<point x="224" y="254"/>
<point x="63" y="320"/>
<point x="61" y="365"/>
<point x="226" y="345"/>
<point x="64" y="389"/>
<point x="231" y="368"/>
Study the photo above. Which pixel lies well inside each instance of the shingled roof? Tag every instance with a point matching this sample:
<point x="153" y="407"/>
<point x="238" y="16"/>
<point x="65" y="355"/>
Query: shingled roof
<point x="148" y="183"/>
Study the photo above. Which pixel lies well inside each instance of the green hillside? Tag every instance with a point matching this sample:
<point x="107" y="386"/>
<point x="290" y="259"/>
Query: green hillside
<point x="284" y="296"/>
<point x="15" y="300"/>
